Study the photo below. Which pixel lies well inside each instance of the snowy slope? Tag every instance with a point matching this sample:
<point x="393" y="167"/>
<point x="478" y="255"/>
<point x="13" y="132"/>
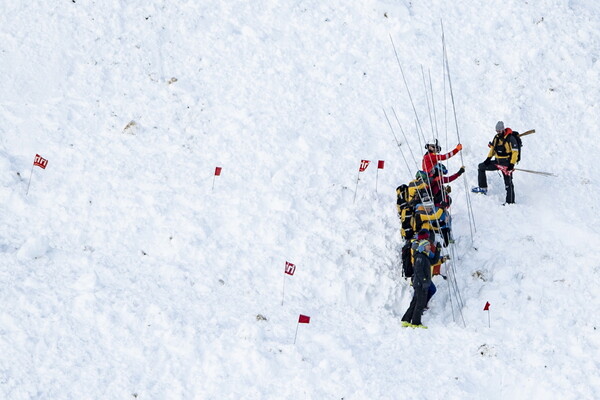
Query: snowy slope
<point x="123" y="274"/>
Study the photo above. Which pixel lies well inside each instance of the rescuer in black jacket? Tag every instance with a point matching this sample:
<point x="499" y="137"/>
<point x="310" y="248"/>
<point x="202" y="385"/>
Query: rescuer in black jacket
<point x="421" y="280"/>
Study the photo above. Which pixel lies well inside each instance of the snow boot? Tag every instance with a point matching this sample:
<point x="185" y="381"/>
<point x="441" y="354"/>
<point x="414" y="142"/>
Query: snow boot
<point x="406" y="324"/>
<point x="479" y="190"/>
<point x="420" y="326"/>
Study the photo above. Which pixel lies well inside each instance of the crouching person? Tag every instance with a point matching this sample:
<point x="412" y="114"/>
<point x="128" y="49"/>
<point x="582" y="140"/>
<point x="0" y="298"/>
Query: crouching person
<point x="421" y="281"/>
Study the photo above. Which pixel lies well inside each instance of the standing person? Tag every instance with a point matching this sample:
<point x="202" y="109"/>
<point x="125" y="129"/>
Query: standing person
<point x="434" y="257"/>
<point x="505" y="148"/>
<point x="431" y="158"/>
<point x="421" y="281"/>
<point x="436" y="266"/>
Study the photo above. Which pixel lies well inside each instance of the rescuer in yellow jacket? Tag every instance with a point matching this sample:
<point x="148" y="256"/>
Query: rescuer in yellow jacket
<point x="407" y="197"/>
<point x="429" y="216"/>
<point x="405" y="212"/>
<point x="418" y="187"/>
<point x="505" y="148"/>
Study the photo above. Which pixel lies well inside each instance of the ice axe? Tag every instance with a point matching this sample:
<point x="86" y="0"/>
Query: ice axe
<point x="529" y="132"/>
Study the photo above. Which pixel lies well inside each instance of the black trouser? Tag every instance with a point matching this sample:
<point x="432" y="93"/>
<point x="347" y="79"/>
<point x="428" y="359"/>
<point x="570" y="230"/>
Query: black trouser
<point x="446" y="235"/>
<point x="508" y="181"/>
<point x="416" y="307"/>
<point x="407" y="268"/>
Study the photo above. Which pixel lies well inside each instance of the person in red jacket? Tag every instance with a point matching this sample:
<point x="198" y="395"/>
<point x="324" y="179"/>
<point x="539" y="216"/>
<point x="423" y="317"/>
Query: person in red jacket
<point x="431" y="158"/>
<point x="437" y="181"/>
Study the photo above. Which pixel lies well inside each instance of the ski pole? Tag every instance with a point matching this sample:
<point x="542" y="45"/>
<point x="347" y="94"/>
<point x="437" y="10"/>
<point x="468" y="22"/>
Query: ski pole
<point x="505" y="171"/>
<point x="536" y="172"/>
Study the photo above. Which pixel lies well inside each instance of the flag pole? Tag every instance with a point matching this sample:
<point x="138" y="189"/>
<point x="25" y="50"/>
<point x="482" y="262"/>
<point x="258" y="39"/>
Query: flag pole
<point x="376" y="178"/>
<point x="489" y="321"/>
<point x="296" y="335"/>
<point x="30" y="174"/>
<point x="213" y="185"/>
<point x="283" y="291"/>
<point x="355" y="189"/>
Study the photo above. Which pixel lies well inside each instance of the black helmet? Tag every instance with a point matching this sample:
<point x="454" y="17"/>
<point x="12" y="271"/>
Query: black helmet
<point x="440" y="169"/>
<point x="435" y="145"/>
<point x="401" y="195"/>
<point x="400" y="190"/>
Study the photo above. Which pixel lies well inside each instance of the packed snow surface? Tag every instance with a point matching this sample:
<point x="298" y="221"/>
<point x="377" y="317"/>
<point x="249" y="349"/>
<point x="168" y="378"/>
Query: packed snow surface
<point x="130" y="271"/>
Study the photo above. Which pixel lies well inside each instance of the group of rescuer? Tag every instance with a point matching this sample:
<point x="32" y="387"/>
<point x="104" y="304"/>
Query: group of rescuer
<point x="423" y="207"/>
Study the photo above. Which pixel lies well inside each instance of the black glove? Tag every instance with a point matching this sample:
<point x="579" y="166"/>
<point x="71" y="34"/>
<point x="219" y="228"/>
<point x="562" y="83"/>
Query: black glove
<point x="487" y="161"/>
<point x="511" y="167"/>
<point x="461" y="171"/>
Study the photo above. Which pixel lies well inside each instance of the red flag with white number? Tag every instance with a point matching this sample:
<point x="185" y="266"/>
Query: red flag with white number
<point x="290" y="268"/>
<point x="303" y="319"/>
<point x="363" y="165"/>
<point x="40" y="161"/>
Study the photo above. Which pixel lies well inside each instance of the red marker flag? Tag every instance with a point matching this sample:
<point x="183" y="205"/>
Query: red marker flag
<point x="487" y="306"/>
<point x="217" y="173"/>
<point x="379" y="166"/>
<point x="40" y="161"/>
<point x="303" y="319"/>
<point x="363" y="165"/>
<point x="290" y="268"/>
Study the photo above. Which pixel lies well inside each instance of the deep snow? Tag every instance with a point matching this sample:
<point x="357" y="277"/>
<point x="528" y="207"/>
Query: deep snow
<point x="124" y="275"/>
